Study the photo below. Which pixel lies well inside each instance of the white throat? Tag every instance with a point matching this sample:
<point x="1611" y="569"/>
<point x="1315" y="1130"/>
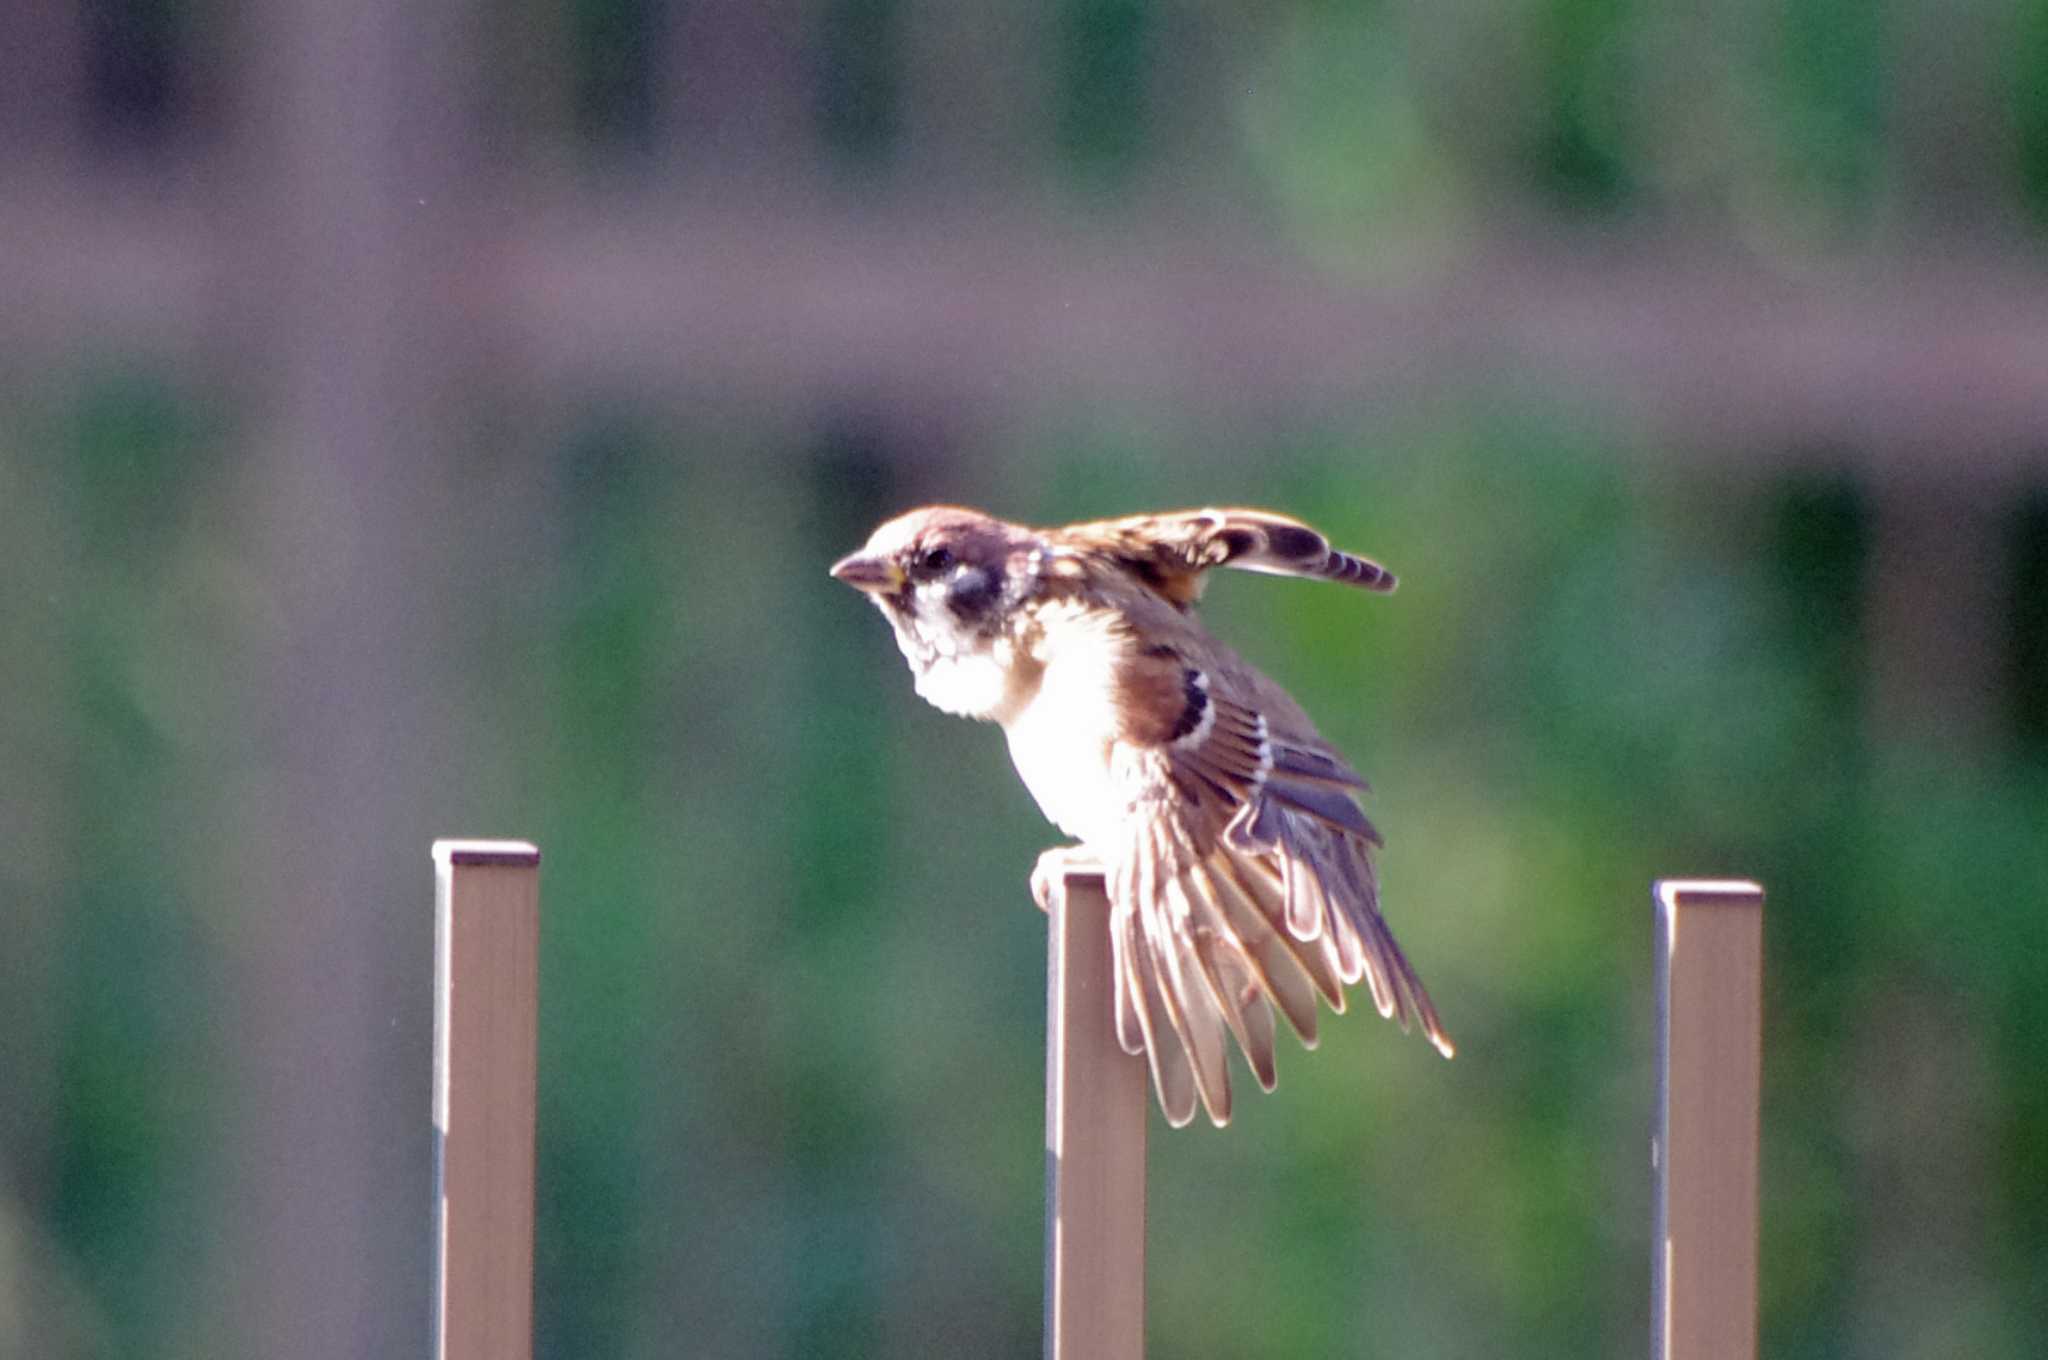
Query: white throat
<point x="965" y="674"/>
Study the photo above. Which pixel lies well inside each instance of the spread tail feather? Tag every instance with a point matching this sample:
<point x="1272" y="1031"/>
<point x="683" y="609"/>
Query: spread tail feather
<point x="1213" y="943"/>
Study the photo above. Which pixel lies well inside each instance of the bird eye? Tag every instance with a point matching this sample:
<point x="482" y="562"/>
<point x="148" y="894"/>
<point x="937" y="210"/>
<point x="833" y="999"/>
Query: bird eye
<point x="934" y="560"/>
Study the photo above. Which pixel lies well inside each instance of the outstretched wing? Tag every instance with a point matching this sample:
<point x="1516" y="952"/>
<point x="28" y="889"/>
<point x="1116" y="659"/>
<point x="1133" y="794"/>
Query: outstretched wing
<point x="1170" y="552"/>
<point x="1248" y="885"/>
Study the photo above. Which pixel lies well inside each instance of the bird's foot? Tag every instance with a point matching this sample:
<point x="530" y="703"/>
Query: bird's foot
<point x="1052" y="868"/>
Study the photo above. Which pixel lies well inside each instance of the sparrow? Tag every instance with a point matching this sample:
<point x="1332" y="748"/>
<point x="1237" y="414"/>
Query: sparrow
<point x="1237" y="860"/>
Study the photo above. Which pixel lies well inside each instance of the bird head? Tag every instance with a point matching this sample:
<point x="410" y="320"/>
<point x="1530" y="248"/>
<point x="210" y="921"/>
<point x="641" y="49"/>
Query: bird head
<point x="942" y="572"/>
<point x="951" y="582"/>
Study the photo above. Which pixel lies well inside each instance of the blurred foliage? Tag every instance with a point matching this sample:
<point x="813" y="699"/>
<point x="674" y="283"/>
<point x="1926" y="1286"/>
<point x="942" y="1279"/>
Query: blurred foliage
<point x="612" y="45"/>
<point x="792" y="1028"/>
<point x="2026" y="79"/>
<point x="134" y="57"/>
<point x="1102" y="66"/>
<point x="858" y="105"/>
<point x="791" y="1037"/>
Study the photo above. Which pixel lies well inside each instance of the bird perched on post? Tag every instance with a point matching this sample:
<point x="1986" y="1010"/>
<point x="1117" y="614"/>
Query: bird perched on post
<point x="1237" y="861"/>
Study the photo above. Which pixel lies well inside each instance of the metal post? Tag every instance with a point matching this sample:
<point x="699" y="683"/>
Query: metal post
<point x="1709" y="964"/>
<point x="1095" y="1110"/>
<point x="486" y="1009"/>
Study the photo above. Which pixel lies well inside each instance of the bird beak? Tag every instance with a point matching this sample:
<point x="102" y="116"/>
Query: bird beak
<point x="875" y="575"/>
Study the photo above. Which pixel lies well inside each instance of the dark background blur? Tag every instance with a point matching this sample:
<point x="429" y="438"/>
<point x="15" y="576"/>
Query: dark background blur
<point x="421" y="419"/>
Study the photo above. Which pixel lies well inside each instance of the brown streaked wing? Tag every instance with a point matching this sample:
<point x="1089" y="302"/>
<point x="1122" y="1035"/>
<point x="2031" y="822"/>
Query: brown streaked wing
<point x="1169" y="551"/>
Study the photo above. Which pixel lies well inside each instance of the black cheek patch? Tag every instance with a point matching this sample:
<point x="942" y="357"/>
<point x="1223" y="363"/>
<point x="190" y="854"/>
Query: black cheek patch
<point x="971" y="591"/>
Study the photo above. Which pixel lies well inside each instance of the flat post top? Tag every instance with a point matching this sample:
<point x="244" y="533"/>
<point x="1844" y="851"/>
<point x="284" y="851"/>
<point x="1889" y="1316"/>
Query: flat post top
<point x="456" y="850"/>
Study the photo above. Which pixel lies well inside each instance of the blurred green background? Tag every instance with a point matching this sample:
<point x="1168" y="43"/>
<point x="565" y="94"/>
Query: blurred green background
<point x="422" y="420"/>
